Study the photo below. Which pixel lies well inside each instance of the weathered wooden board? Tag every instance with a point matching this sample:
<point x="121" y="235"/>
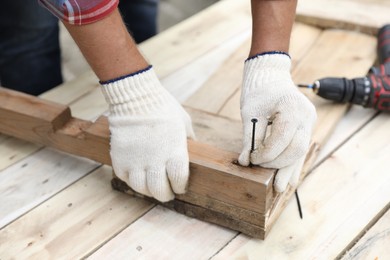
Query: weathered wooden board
<point x="82" y="217"/>
<point x="29" y="182"/>
<point x="213" y="174"/>
<point x="357" y="15"/>
<point x="150" y="236"/>
<point x="68" y="245"/>
<point x="375" y="243"/>
<point x="357" y="180"/>
<point x="184" y="43"/>
<point x="221" y="207"/>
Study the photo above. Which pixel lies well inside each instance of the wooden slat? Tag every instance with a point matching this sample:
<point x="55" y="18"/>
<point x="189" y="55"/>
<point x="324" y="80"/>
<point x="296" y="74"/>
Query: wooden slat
<point x="213" y="174"/>
<point x="358" y="15"/>
<point x="355" y="118"/>
<point x="33" y="112"/>
<point x="303" y="38"/>
<point x="13" y="150"/>
<point x="354" y="55"/>
<point x="375" y="243"/>
<point x="323" y="60"/>
<point x="186" y="80"/>
<point x="152" y="236"/>
<point x="357" y="180"/>
<point x="222" y="84"/>
<point x="186" y="41"/>
<point x="33" y="180"/>
<point x="71" y="224"/>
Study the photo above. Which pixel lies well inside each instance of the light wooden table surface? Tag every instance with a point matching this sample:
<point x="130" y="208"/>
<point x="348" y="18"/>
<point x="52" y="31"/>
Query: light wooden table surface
<point x="57" y="206"/>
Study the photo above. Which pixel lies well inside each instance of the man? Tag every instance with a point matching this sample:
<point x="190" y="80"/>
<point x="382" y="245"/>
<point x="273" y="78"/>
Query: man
<point x="149" y="127"/>
<point x="30" y="48"/>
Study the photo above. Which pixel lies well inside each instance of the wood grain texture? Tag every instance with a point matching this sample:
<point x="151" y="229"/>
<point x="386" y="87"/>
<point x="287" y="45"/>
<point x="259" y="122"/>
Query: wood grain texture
<point x="33" y="180"/>
<point x="309" y="69"/>
<point x="284" y="241"/>
<point x="186" y="41"/>
<point x="375" y="243"/>
<point x="366" y="16"/>
<point x="213" y="173"/>
<point x="13" y="150"/>
<point x="354" y="55"/>
<point x="357" y="180"/>
<point x="303" y="38"/>
<point x="74" y="222"/>
<point x="153" y="235"/>
<point x="222" y="84"/>
<point x="323" y="60"/>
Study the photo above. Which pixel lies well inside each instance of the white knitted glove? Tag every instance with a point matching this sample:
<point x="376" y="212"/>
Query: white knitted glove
<point x="269" y="94"/>
<point x="148" y="135"/>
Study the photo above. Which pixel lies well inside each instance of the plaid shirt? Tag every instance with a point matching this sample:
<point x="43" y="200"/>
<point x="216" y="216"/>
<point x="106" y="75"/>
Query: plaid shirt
<point x="79" y="12"/>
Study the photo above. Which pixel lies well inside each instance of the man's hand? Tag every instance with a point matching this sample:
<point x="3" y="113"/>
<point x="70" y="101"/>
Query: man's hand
<point x="149" y="130"/>
<point x="269" y="95"/>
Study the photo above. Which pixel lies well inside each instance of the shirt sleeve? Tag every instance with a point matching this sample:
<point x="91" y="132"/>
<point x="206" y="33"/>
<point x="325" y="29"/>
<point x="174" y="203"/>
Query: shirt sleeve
<point x="79" y="12"/>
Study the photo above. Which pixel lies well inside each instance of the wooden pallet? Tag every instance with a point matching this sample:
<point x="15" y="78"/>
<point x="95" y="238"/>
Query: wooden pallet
<point x="219" y="192"/>
<point x="54" y="205"/>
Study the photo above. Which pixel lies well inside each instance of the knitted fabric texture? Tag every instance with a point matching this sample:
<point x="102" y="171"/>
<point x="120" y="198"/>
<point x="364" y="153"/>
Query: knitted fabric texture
<point x="149" y="130"/>
<point x="269" y="95"/>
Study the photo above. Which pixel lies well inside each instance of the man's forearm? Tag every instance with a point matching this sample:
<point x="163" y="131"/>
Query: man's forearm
<point x="108" y="47"/>
<point x="272" y="25"/>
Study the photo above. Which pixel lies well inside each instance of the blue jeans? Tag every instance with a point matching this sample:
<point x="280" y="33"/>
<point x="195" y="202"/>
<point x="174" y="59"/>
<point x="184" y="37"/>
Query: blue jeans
<point x="140" y="17"/>
<point x="30" y="57"/>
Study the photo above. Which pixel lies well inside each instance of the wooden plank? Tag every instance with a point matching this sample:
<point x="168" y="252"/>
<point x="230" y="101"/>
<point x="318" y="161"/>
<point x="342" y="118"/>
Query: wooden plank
<point x="10" y="150"/>
<point x="186" y="80"/>
<point x="187" y="40"/>
<point x="78" y="149"/>
<point x="216" y="93"/>
<point x="375" y="243"/>
<point x="321" y="61"/>
<point x="151" y="237"/>
<point x="90" y="106"/>
<point x="366" y="16"/>
<point x="80" y="218"/>
<point x="354" y="55"/>
<point x="13" y="150"/>
<point x="33" y="180"/>
<point x="211" y="129"/>
<point x="222" y="84"/>
<point x="239" y="26"/>
<point x="71" y="91"/>
<point x="357" y="180"/>
<point x="355" y="118"/>
<point x="33" y="112"/>
<point x="213" y="173"/>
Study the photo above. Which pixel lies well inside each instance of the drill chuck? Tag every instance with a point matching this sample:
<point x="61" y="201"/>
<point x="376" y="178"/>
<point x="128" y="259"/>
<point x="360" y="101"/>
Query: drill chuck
<point x="356" y="91"/>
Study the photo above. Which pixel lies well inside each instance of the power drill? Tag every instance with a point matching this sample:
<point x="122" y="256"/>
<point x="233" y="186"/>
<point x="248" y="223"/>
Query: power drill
<point x="372" y="90"/>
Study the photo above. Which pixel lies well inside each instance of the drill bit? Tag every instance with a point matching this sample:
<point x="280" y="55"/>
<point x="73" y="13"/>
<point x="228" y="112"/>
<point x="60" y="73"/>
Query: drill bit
<point x="306" y="86"/>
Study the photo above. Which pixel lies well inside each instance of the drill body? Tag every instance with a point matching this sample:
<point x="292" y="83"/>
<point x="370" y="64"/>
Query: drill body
<point x="372" y="90"/>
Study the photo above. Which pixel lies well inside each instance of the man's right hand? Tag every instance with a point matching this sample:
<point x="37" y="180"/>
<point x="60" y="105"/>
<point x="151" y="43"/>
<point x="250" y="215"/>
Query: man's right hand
<point x="149" y="131"/>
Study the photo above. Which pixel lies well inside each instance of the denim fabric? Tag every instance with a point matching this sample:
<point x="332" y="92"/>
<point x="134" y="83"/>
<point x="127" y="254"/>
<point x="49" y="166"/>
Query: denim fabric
<point x="140" y="17"/>
<point x="30" y="58"/>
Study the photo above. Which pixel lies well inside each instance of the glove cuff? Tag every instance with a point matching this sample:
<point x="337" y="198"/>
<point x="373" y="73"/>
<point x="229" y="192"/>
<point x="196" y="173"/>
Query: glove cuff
<point x="275" y="60"/>
<point x="135" y="94"/>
